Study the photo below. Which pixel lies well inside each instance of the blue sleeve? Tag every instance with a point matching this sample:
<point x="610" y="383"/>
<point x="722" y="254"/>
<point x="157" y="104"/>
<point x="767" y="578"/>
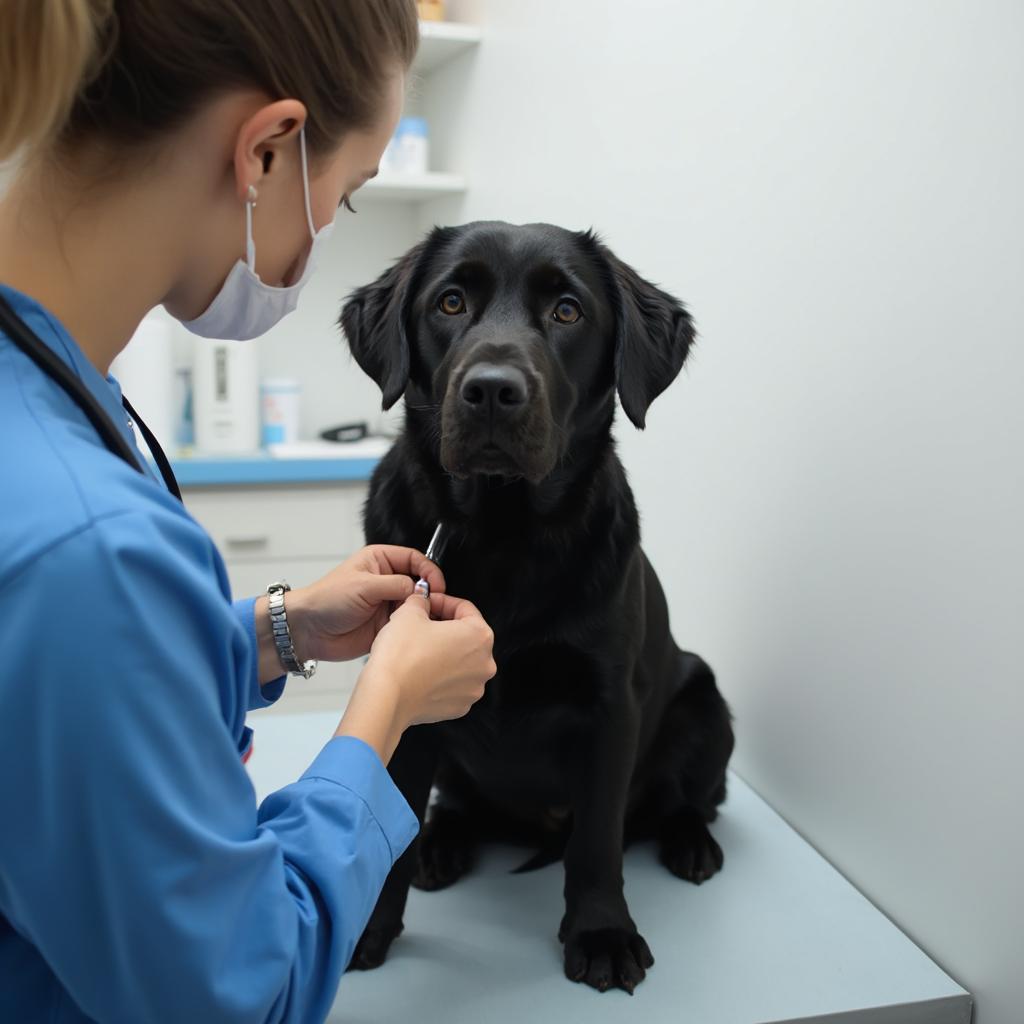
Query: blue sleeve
<point x="259" y="696"/>
<point x="132" y="852"/>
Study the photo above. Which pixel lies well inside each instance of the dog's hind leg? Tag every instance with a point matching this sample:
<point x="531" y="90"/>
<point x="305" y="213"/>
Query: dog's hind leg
<point x="694" y="747"/>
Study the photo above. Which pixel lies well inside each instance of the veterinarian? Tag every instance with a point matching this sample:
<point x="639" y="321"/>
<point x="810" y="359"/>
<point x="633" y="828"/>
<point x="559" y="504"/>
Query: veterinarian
<point x="189" y="153"/>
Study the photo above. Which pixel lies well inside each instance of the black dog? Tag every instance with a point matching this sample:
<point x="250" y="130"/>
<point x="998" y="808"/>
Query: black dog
<point x="509" y="344"/>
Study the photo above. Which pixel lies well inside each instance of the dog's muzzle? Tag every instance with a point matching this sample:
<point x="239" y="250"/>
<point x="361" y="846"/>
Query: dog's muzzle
<point x="495" y="421"/>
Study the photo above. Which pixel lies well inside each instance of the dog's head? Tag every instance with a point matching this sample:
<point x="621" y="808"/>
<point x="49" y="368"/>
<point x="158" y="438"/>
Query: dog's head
<point x="515" y="340"/>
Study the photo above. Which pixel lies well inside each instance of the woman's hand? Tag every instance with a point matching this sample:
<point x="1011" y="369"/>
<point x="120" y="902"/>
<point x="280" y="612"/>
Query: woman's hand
<point x="421" y="669"/>
<point x="338" y="617"/>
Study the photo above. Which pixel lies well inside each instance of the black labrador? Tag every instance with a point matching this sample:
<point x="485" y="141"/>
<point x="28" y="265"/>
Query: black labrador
<point x="509" y="344"/>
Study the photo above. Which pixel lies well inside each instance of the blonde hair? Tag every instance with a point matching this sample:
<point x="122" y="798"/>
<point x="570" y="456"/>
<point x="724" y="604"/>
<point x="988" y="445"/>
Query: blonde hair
<point x="125" y="72"/>
<point x="47" y="49"/>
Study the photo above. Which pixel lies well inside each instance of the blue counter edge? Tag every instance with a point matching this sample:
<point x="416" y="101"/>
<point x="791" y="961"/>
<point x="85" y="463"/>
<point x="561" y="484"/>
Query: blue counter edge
<point x="199" y="472"/>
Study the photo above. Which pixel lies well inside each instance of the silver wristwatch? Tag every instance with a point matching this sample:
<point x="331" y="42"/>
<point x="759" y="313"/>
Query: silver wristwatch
<point x="283" y="635"/>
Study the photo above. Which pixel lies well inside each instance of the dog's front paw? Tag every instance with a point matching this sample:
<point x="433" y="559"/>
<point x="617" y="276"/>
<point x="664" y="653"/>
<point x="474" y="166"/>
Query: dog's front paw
<point x="688" y="849"/>
<point x="607" y="958"/>
<point x="372" y="948"/>
<point x="446" y="851"/>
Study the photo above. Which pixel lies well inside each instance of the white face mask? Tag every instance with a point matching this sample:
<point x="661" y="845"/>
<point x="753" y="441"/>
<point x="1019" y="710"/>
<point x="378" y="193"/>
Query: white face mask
<point x="245" y="307"/>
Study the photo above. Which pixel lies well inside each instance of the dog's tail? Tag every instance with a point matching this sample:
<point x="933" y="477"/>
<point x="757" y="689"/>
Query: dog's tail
<point x="541" y="859"/>
<point x="552" y="851"/>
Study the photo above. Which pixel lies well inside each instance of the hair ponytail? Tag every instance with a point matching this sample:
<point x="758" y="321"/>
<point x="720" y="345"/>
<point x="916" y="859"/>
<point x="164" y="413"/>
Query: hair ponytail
<point x="47" y="48"/>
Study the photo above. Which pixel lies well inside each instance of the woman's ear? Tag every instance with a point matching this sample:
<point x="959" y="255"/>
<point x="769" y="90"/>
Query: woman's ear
<point x="261" y="137"/>
<point x="653" y="334"/>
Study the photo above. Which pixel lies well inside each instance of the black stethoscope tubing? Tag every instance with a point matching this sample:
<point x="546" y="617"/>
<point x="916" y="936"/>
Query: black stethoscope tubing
<point x="54" y="367"/>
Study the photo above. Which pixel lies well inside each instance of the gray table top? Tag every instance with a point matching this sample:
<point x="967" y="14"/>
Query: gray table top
<point x="778" y="936"/>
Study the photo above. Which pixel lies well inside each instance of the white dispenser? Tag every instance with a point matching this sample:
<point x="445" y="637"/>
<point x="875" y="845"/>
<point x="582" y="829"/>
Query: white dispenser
<point x="145" y="371"/>
<point x="226" y="397"/>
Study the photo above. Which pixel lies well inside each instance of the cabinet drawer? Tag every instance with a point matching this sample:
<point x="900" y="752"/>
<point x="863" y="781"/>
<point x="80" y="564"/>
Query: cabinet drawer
<point x="306" y="521"/>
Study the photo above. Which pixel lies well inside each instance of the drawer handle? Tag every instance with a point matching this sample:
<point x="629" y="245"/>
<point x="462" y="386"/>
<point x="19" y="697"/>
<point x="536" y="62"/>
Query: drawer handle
<point x="253" y="541"/>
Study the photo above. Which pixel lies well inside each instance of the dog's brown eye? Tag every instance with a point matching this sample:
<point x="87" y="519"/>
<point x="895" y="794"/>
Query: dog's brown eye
<point x="567" y="312"/>
<point x="452" y="303"/>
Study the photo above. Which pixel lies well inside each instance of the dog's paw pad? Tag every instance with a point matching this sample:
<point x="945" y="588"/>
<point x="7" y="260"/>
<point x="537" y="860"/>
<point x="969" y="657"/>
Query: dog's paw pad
<point x="446" y="852"/>
<point x="372" y="948"/>
<point x="607" y="958"/>
<point x="688" y="849"/>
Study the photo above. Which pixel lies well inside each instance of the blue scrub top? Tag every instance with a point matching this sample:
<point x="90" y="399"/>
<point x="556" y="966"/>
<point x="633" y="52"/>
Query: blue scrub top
<point x="139" y="880"/>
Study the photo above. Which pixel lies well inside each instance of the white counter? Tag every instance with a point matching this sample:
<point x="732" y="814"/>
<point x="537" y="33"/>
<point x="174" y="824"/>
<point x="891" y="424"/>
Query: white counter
<point x="777" y="936"/>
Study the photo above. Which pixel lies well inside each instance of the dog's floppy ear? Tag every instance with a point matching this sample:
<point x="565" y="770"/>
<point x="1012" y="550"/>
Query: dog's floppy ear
<point x="653" y="336"/>
<point x="374" y="322"/>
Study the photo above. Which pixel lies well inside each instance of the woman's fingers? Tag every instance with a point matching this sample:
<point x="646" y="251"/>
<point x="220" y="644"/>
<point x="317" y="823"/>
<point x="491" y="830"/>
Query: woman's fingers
<point x="378" y="589"/>
<point x="444" y="606"/>
<point x="390" y="558"/>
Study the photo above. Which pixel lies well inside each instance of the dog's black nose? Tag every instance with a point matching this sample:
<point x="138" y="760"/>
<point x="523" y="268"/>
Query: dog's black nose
<point x="495" y="390"/>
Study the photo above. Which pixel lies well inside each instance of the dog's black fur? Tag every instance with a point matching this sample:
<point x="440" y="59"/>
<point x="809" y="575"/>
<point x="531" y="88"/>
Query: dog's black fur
<point x="597" y="729"/>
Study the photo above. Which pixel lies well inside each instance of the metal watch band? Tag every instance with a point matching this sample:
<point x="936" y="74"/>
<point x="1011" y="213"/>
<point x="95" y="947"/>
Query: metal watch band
<point x="282" y="633"/>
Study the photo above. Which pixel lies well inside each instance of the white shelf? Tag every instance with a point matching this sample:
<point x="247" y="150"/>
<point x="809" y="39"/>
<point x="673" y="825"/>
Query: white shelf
<point x="440" y="41"/>
<point x="411" y="188"/>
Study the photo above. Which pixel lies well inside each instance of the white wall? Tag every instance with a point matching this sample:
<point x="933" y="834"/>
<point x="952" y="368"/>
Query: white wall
<point x="833" y="493"/>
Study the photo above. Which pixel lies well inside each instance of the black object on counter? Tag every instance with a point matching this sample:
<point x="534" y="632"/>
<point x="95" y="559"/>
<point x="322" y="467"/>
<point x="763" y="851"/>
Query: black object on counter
<point x="346" y="432"/>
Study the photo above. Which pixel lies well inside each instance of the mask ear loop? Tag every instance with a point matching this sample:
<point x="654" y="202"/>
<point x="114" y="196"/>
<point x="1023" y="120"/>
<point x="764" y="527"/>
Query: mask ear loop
<point x="250" y="244"/>
<point x="305" y="181"/>
<point x="250" y="205"/>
